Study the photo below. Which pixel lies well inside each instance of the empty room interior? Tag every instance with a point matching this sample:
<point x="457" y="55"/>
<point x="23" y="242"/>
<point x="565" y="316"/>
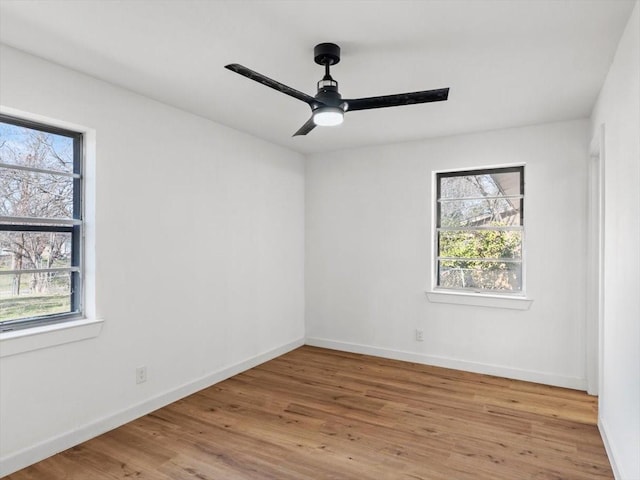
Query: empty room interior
<point x="320" y="239"/>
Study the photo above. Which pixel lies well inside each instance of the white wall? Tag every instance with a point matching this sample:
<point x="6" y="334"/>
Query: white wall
<point x="618" y="108"/>
<point x="368" y="247"/>
<point x="199" y="259"/>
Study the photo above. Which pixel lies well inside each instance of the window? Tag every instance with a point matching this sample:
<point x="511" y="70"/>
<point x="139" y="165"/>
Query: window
<point x="40" y="224"/>
<point x="479" y="230"/>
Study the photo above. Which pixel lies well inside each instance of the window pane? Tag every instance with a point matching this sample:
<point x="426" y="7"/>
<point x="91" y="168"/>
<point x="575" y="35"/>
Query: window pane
<point x="31" y="295"/>
<point x="30" y="250"/>
<point x="34" y="148"/>
<point x="480" y="244"/>
<point x="482" y="185"/>
<point x="30" y="194"/>
<point x="32" y="244"/>
<point x="482" y="212"/>
<point x="498" y="276"/>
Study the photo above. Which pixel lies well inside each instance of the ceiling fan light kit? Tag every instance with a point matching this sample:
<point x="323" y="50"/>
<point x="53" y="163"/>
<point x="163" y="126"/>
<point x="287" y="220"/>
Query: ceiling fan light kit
<point x="328" y="116"/>
<point x="328" y="107"/>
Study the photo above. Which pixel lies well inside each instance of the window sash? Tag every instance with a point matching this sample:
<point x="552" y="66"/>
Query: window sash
<point x="483" y="171"/>
<point x="9" y="222"/>
<point x="72" y="225"/>
<point x="501" y="228"/>
<point x="439" y="201"/>
<point x="488" y="197"/>
<point x="480" y="259"/>
<point x="11" y="166"/>
<point x="27" y="271"/>
<point x="473" y="290"/>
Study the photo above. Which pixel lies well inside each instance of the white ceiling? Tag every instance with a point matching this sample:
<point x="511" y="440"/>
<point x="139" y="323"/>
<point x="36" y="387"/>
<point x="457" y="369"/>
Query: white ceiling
<point x="508" y="63"/>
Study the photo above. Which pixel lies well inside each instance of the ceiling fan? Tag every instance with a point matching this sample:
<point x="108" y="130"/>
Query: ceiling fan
<point x="328" y="107"/>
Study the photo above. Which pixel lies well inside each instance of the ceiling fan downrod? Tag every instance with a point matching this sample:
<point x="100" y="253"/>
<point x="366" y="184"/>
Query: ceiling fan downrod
<point x="327" y="54"/>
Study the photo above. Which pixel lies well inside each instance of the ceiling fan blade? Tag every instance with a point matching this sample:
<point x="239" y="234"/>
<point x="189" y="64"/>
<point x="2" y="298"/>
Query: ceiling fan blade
<point x="306" y="128"/>
<point x="425" y="96"/>
<point x="281" y="87"/>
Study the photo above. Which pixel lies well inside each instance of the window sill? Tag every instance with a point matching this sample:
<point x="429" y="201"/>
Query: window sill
<point x="480" y="300"/>
<point x="29" y="339"/>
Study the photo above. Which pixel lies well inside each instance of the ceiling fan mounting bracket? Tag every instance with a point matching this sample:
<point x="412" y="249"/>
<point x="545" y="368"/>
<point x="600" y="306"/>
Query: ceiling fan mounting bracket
<point x="326" y="54"/>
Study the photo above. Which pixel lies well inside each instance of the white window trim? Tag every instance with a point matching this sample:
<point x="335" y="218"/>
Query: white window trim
<point x="490" y="299"/>
<point x="514" y="302"/>
<point x="15" y="342"/>
<point x="45" y="336"/>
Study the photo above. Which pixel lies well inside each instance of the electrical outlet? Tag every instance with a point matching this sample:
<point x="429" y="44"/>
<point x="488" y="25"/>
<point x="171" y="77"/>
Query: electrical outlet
<point x="141" y="374"/>
<point x="419" y="335"/>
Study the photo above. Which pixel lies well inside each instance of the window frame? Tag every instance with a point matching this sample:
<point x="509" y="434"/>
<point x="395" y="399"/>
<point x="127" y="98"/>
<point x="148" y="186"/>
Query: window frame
<point x="75" y="226"/>
<point x="435" y="258"/>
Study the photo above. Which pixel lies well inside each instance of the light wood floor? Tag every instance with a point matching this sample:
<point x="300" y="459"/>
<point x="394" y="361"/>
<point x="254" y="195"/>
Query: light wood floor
<point x="322" y="414"/>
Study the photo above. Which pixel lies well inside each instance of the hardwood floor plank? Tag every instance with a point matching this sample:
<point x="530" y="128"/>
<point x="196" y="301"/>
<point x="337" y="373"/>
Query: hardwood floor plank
<point x="322" y="414"/>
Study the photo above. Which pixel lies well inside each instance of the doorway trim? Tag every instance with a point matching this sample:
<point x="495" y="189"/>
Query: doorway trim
<point x="595" y="263"/>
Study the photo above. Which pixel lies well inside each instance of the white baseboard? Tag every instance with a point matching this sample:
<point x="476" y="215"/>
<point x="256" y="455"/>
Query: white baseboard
<point x="40" y="451"/>
<point x="609" y="449"/>
<point x="575" y="383"/>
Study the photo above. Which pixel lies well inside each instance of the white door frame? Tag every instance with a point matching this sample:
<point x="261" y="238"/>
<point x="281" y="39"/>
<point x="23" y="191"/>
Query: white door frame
<point x="595" y="264"/>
